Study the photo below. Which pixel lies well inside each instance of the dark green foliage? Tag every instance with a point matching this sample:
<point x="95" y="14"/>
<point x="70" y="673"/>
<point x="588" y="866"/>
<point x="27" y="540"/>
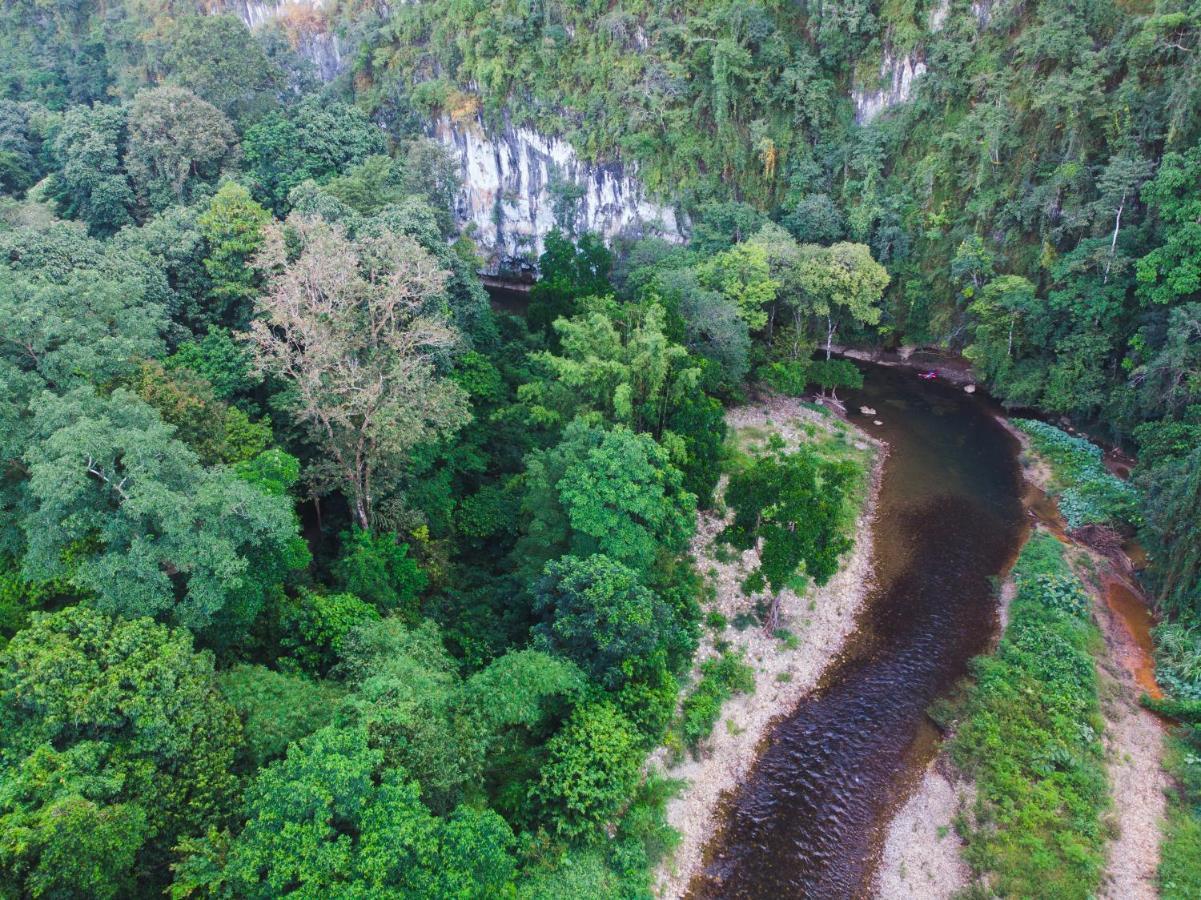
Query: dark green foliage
<point x="596" y="614"/>
<point x="1031" y="738"/>
<point x="318" y="141"/>
<point x="796" y="504"/>
<point x="569" y="272"/>
<point x="115" y="744"/>
<point x="90" y="184"/>
<point x="1172" y="511"/>
<point x="378" y="569"/>
<point x="216" y="57"/>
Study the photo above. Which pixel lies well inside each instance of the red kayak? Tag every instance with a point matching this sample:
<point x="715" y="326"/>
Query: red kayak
<point x="927" y="375"/>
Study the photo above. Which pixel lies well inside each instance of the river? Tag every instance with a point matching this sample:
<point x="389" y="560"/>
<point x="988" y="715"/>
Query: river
<point x="810" y="818"/>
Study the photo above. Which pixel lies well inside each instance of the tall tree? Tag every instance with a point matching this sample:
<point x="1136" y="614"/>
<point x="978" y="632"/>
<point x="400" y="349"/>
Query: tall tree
<point x="129" y="515"/>
<point x="176" y="141"/>
<point x="354" y="327"/>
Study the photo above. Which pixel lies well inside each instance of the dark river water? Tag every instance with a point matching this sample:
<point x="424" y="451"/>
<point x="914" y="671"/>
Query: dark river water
<point x="810" y="819"/>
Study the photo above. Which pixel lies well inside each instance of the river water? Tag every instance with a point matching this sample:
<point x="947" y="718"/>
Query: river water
<point x="810" y="818"/>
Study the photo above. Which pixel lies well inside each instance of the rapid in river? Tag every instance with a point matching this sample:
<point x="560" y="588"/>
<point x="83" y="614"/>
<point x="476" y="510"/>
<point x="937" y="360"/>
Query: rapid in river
<point x="810" y="818"/>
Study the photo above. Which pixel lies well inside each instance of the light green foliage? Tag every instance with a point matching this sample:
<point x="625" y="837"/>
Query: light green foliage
<point x="721" y="678"/>
<point x="591" y="767"/>
<point x="377" y="569"/>
<point x="116" y="743"/>
<point x="1088" y="493"/>
<point x="232" y="227"/>
<point x="742" y="274"/>
<point x="276" y="708"/>
<point x="176" y="142"/>
<point x="603" y="491"/>
<point x="117" y="505"/>
<point x="315" y="625"/>
<point x="841" y="284"/>
<point x="1030" y="737"/>
<point x="615" y="360"/>
<point x="334" y="819"/>
<point x="596" y="614"/>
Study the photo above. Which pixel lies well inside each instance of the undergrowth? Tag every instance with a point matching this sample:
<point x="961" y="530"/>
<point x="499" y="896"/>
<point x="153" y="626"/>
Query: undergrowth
<point x="1088" y="493"/>
<point x="1030" y="734"/>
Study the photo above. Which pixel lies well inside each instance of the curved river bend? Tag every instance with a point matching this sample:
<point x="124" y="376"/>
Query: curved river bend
<point x="810" y="818"/>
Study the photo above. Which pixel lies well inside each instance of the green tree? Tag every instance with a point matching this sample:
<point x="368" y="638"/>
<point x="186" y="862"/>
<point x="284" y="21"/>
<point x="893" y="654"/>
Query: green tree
<point x="333" y="819"/>
<point x="567" y="272"/>
<point x="591" y="769"/>
<point x="595" y="613"/>
<point x="176" y="142"/>
<point x="1172" y="271"/>
<point x="124" y="510"/>
<point x="602" y="491"/>
<point x="232" y="227"/>
<point x="320" y="140"/>
<point x="90" y="184"/>
<point x="314" y="626"/>
<point x="795" y="504"/>
<point x="276" y="708"/>
<point x="217" y="58"/>
<point x="842" y="285"/>
<point x="615" y="360"/>
<point x="116" y="743"/>
<point x="743" y="275"/>
<point x="378" y="569"/>
<point x="998" y="330"/>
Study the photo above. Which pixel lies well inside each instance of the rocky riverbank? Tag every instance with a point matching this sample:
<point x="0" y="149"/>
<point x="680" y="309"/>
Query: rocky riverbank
<point x="820" y="621"/>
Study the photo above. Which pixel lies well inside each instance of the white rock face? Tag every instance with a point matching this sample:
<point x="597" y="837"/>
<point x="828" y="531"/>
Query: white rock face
<point x="306" y="24"/>
<point x="506" y="202"/>
<point x="897" y="77"/>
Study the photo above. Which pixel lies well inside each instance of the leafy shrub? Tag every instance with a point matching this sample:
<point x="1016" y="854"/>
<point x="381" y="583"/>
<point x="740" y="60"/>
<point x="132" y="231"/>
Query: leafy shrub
<point x="592" y="764"/>
<point x="721" y="678"/>
<point x="1089" y="493"/>
<point x="1063" y="593"/>
<point x="378" y="570"/>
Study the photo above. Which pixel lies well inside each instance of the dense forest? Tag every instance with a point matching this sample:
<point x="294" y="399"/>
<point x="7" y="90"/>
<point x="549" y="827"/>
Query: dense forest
<point x="321" y="576"/>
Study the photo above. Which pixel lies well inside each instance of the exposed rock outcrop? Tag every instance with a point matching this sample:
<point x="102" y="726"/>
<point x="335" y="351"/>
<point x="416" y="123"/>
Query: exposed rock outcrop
<point x="518" y="184"/>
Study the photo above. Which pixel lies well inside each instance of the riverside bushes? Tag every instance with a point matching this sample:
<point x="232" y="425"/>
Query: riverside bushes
<point x="721" y="678"/>
<point x="1089" y="494"/>
<point x="1031" y="737"/>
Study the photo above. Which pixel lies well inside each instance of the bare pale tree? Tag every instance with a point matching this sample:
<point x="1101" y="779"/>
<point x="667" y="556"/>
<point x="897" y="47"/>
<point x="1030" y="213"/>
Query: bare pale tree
<point x="356" y="327"/>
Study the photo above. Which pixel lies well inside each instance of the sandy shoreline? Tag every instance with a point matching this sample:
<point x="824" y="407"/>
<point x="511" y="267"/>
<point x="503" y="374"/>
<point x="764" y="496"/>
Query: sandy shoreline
<point x="821" y="621"/>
